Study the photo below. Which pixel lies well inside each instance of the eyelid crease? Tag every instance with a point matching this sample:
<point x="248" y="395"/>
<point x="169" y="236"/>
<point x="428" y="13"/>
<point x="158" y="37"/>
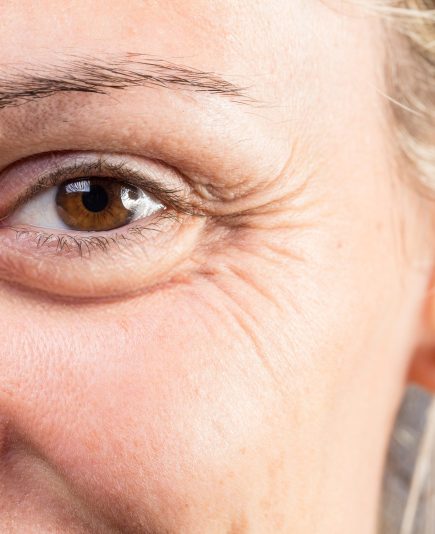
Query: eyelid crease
<point x="170" y="197"/>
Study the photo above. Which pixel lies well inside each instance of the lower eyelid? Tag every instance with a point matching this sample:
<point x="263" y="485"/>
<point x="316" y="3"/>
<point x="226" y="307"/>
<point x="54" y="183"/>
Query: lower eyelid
<point x="66" y="242"/>
<point x="109" y="265"/>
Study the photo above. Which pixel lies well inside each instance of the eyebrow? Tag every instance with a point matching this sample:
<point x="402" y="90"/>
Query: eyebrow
<point x="85" y="74"/>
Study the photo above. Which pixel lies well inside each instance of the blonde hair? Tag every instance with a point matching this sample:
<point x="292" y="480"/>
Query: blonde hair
<point x="411" y="89"/>
<point x="411" y="78"/>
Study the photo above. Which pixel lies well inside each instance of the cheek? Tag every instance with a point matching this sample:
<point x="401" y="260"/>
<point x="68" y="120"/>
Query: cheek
<point x="156" y="405"/>
<point x="160" y="412"/>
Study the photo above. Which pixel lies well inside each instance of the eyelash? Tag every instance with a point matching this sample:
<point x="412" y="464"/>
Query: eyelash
<point x="85" y="245"/>
<point x="106" y="169"/>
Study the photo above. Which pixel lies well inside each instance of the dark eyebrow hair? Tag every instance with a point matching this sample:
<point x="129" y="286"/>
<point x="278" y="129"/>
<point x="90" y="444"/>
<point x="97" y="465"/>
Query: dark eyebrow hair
<point x="85" y="74"/>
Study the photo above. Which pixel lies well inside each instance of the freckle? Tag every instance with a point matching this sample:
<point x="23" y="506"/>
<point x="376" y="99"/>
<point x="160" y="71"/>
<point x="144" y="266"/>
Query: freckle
<point x="123" y="325"/>
<point x="265" y="504"/>
<point x="239" y="525"/>
<point x="92" y="443"/>
<point x="131" y="31"/>
<point x="243" y="450"/>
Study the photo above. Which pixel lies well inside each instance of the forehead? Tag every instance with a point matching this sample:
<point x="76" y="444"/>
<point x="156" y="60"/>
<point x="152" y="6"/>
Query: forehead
<point x="253" y="42"/>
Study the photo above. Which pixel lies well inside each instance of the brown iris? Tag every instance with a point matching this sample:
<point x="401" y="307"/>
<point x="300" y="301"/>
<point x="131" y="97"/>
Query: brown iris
<point x="96" y="204"/>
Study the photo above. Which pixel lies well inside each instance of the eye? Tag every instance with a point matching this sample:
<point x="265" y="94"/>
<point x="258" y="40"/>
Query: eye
<point x="90" y="204"/>
<point x="86" y="225"/>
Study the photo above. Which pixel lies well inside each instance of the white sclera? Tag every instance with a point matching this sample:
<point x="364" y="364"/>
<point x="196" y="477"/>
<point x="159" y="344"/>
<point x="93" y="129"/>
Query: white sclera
<point x="142" y="206"/>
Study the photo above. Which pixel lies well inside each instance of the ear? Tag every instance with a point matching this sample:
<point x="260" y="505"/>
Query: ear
<point x="422" y="366"/>
<point x="422" y="369"/>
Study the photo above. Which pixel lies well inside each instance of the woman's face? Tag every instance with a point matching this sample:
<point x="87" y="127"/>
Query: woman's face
<point x="230" y="360"/>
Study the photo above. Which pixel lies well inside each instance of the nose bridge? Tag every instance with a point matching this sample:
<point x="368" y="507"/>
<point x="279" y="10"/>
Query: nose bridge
<point x="18" y="412"/>
<point x="31" y="376"/>
<point x="12" y="395"/>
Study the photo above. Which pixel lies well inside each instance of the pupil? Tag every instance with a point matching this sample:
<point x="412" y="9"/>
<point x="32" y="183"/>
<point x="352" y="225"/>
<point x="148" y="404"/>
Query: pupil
<point x="96" y="199"/>
<point x="133" y="194"/>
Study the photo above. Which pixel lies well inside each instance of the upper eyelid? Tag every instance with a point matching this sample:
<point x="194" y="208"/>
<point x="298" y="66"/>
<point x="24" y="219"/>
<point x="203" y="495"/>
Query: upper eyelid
<point x="170" y="197"/>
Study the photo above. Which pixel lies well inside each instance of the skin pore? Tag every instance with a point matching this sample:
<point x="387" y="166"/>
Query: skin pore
<point x="239" y="369"/>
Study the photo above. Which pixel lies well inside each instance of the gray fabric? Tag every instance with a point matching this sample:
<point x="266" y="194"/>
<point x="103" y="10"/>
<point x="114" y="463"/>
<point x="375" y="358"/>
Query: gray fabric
<point x="401" y="458"/>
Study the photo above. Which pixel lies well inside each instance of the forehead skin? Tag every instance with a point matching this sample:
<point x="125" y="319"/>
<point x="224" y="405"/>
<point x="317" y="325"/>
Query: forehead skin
<point x="200" y="406"/>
